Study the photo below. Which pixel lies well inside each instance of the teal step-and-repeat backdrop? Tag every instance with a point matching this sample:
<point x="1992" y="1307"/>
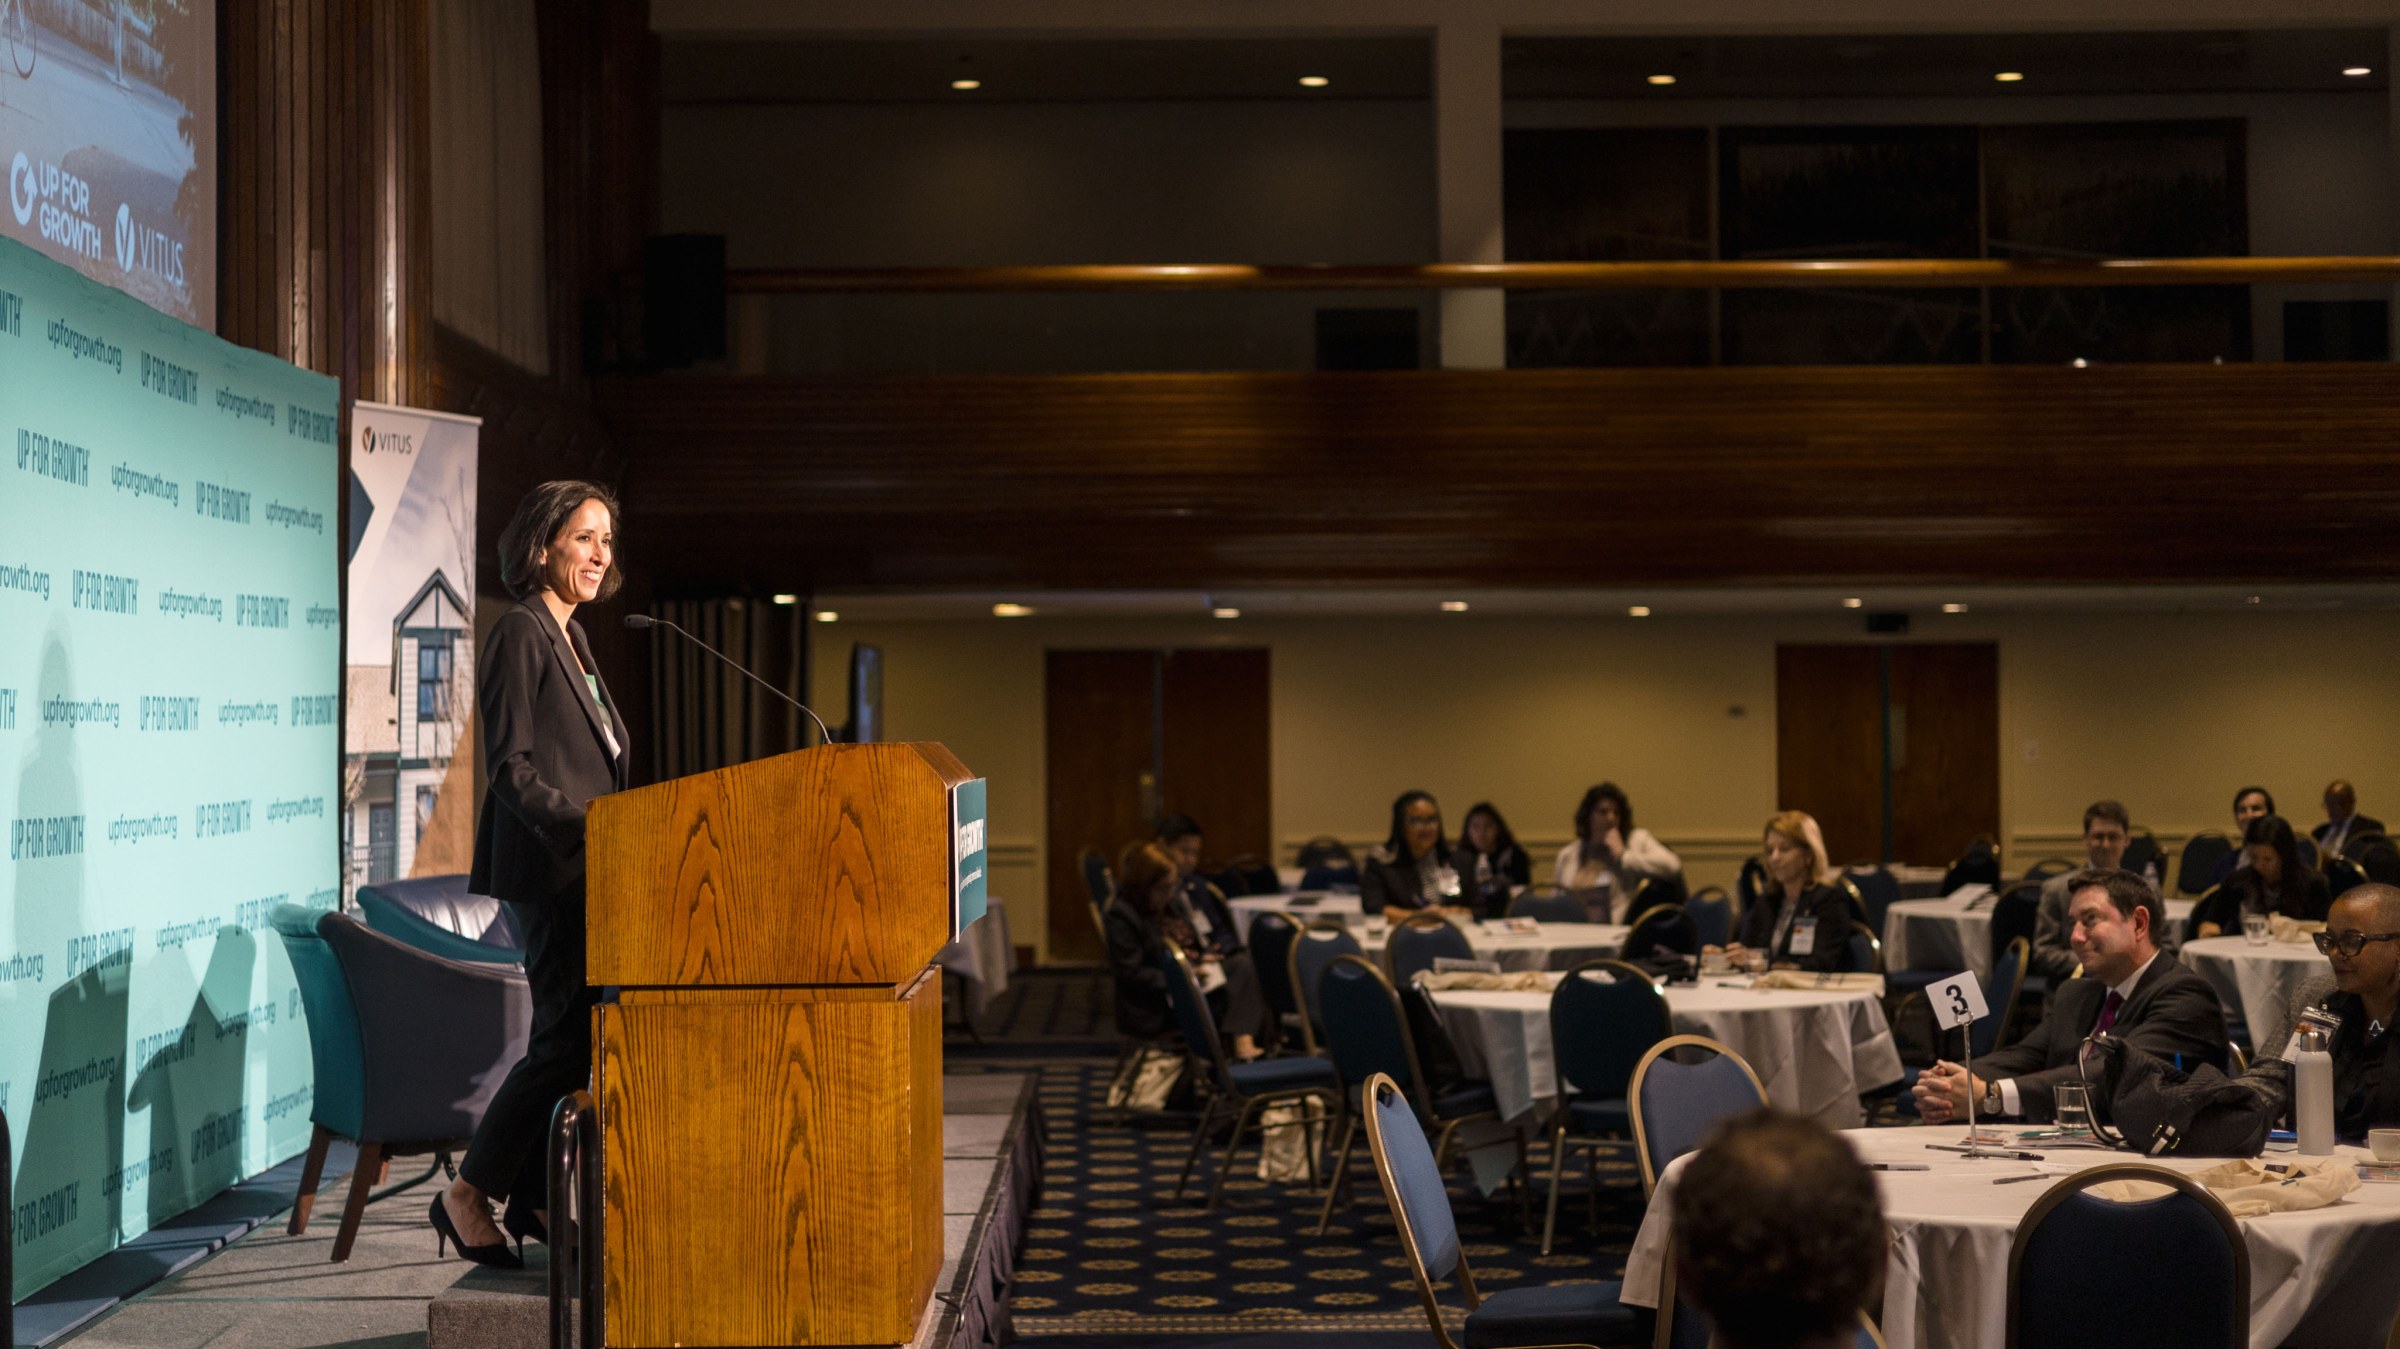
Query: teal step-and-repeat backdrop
<point x="169" y="755"/>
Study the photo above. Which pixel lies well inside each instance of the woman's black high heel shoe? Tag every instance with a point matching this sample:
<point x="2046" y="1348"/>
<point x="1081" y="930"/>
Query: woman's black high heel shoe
<point x="496" y="1255"/>
<point x="522" y="1221"/>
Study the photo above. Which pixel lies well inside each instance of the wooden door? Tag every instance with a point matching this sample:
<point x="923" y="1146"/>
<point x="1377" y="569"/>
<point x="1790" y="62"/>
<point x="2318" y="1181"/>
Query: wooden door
<point x="1934" y="708"/>
<point x="1945" y="703"/>
<point x="1216" y="742"/>
<point x="1101" y="733"/>
<point x="1133" y="735"/>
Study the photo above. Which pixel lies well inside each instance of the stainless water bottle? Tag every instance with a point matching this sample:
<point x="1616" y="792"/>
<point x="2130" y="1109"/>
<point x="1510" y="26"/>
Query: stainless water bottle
<point x="2312" y="1094"/>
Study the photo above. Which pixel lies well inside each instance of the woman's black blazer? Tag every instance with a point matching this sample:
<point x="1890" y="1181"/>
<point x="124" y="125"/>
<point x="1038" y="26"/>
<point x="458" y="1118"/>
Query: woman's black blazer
<point x="543" y="753"/>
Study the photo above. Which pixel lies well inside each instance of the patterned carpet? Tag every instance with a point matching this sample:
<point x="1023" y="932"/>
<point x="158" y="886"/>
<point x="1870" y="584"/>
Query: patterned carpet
<point x="1111" y="1252"/>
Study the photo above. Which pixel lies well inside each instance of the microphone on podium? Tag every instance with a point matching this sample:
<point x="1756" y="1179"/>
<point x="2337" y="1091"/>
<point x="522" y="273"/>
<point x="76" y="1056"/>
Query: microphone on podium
<point x="640" y="621"/>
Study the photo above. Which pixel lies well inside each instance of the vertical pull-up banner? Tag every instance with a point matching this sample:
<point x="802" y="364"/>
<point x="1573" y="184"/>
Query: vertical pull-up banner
<point x="169" y="651"/>
<point x="408" y="780"/>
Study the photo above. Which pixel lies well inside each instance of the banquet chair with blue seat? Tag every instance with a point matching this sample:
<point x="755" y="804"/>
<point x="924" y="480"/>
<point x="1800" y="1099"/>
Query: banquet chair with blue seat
<point x="1271" y="937"/>
<point x="1245" y="1088"/>
<point x="1864" y="952"/>
<point x="1548" y="904"/>
<point x="408" y="1048"/>
<point x="1661" y="927"/>
<point x="1367" y="1032"/>
<point x="1517" y="1318"/>
<point x="1604" y="1015"/>
<point x="1312" y="951"/>
<point x="2172" y="1269"/>
<point x="1976" y="864"/>
<point x="437" y="915"/>
<point x="1877" y="890"/>
<point x="1424" y="938"/>
<point x="2196" y="866"/>
<point x="1752" y="880"/>
<point x="1675" y="1106"/>
<point x="1712" y="915"/>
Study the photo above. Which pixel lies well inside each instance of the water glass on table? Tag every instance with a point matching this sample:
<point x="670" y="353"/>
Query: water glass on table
<point x="2257" y="928"/>
<point x="2074" y="1106"/>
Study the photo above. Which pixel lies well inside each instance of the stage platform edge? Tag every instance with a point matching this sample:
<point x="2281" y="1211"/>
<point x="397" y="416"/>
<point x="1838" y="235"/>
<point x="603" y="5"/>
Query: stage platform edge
<point x="992" y="1153"/>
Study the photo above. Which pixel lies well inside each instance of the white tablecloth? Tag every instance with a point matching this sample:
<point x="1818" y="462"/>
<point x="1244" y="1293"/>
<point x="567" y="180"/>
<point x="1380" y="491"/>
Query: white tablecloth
<point x="1946" y="935"/>
<point x="1815" y="1051"/>
<point x="2322" y="1277"/>
<point x="1551" y="946"/>
<point x="2259" y="980"/>
<point x="981" y="957"/>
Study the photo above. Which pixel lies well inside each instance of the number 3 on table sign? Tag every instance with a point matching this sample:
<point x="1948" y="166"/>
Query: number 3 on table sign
<point x="1957" y="1001"/>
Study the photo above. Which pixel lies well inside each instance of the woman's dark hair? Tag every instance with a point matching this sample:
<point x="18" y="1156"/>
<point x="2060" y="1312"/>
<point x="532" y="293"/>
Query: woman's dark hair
<point x="2275" y="832"/>
<point x="1172" y="828"/>
<point x="2270" y="797"/>
<point x="1397" y="844"/>
<point x="539" y="518"/>
<point x="1605" y="791"/>
<point x="1507" y="840"/>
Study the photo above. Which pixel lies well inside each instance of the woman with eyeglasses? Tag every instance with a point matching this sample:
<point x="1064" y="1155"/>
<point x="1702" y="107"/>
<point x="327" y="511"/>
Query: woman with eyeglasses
<point x="2361" y="942"/>
<point x="2273" y="879"/>
<point x="1412" y="870"/>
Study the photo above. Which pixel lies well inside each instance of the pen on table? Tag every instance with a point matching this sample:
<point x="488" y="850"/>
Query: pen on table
<point x="2009" y="1153"/>
<point x="2030" y="1175"/>
<point x="1898" y="1166"/>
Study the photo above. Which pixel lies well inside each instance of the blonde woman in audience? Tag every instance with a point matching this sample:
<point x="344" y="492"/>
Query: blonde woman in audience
<point x="1802" y="920"/>
<point x="1144" y="918"/>
<point x="1610" y="855"/>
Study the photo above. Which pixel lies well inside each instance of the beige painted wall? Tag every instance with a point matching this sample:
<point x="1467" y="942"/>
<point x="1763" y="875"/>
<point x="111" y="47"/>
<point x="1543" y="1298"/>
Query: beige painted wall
<point x="2168" y="712"/>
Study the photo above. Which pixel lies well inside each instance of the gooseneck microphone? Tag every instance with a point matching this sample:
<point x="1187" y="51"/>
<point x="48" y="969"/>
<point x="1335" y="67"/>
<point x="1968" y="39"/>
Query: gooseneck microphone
<point x="640" y="621"/>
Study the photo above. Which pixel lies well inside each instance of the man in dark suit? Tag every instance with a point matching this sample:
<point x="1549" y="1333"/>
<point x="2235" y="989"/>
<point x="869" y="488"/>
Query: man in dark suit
<point x="2343" y="823"/>
<point x="2129" y="987"/>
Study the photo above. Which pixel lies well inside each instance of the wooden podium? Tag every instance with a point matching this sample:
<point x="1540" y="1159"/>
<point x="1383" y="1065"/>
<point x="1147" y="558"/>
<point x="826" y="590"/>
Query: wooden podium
<point x="770" y="1080"/>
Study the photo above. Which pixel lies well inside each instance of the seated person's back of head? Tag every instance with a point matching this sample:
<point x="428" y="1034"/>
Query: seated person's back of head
<point x="1779" y="1233"/>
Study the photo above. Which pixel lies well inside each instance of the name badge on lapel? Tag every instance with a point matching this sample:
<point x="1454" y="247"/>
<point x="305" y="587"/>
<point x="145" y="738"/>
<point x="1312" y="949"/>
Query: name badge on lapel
<point x="1804" y="936"/>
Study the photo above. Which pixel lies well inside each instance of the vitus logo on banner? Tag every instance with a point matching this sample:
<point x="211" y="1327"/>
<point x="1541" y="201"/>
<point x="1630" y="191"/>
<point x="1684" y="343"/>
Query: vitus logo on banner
<point x="370" y="441"/>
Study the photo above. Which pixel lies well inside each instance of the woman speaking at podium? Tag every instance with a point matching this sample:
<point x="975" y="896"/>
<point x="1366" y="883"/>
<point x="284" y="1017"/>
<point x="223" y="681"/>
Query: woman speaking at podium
<point x="551" y="742"/>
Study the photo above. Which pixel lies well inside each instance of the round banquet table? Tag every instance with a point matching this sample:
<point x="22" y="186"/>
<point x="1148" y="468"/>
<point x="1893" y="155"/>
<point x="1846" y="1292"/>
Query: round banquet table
<point x="2262" y="981"/>
<point x="2318" y="1277"/>
<point x="1814" y="1050"/>
<point x="1946" y="935"/>
<point x="1550" y="946"/>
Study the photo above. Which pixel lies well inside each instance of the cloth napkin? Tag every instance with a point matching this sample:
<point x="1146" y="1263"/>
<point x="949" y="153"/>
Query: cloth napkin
<point x="2249" y="1189"/>
<point x="2283" y="929"/>
<point x="1806" y="982"/>
<point x="1523" y="981"/>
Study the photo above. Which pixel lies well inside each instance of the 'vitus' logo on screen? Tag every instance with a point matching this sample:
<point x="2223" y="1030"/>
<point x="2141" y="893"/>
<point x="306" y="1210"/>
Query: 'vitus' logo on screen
<point x="216" y="819"/>
<point x="388" y="442"/>
<point x="261" y="611"/>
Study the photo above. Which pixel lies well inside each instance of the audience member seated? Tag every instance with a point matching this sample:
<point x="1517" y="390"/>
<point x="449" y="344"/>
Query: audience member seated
<point x="2106" y="831"/>
<point x="1801" y="920"/>
<point x="2343" y="823"/>
<point x="2129" y="987"/>
<point x="1490" y="865"/>
<point x="1203" y="907"/>
<point x="2250" y="803"/>
<point x="1411" y="871"/>
<point x="2362" y="942"/>
<point x="1779" y="1234"/>
<point x="1145" y="916"/>
<point x="1609" y="853"/>
<point x="2272" y="880"/>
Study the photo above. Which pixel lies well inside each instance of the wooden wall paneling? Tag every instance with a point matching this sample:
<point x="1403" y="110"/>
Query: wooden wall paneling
<point x="1217" y="748"/>
<point x="1946" y="790"/>
<point x="1829" y="744"/>
<point x="1525" y="477"/>
<point x="1100" y="736"/>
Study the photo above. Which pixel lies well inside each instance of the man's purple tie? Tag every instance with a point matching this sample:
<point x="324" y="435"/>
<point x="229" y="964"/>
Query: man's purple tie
<point x="2108" y="1011"/>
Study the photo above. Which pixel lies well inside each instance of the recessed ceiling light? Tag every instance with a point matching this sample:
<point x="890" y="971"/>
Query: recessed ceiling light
<point x="827" y="616"/>
<point x="2080" y="363"/>
<point x="1854" y="602"/>
<point x="966" y="84"/>
<point x="2355" y="72"/>
<point x="1006" y="610"/>
<point x="1314" y="81"/>
<point x="1454" y="606"/>
<point x="1954" y="608"/>
<point x="787" y="599"/>
<point x="1225" y="611"/>
<point x="1638" y="611"/>
<point x="1662" y="79"/>
<point x="2253" y="599"/>
<point x="2010" y="76"/>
